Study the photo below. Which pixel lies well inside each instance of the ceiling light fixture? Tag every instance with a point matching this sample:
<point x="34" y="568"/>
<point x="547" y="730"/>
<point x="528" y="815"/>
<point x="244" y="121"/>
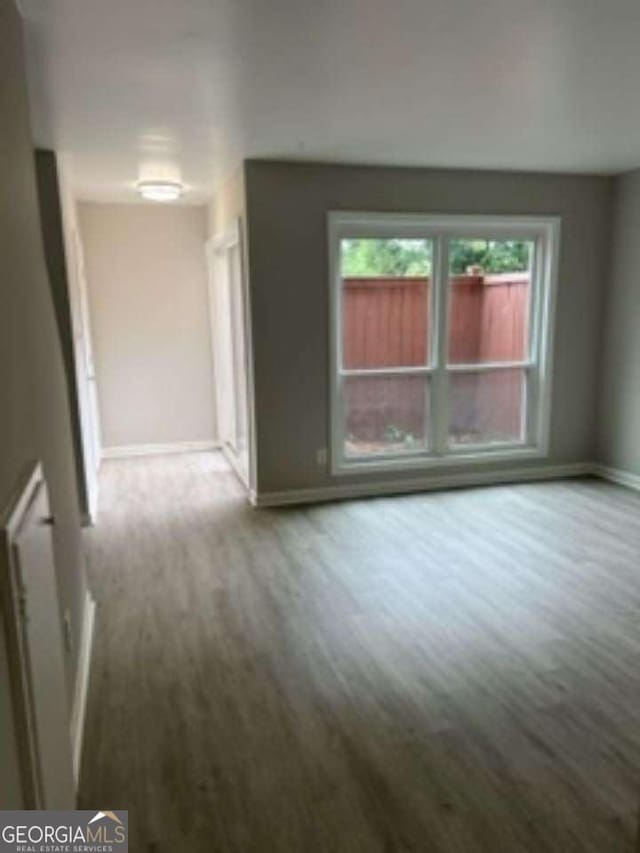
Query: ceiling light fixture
<point x="160" y="190"/>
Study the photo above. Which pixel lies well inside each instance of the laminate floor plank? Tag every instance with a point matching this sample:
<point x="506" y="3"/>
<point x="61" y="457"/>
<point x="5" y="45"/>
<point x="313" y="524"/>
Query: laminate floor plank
<point x="454" y="671"/>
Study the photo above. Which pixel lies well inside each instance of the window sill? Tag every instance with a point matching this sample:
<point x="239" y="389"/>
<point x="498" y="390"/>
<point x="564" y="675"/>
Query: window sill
<point x="422" y="462"/>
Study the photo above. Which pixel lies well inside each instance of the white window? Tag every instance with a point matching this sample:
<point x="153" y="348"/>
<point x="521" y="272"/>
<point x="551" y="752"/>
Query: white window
<point x="441" y="338"/>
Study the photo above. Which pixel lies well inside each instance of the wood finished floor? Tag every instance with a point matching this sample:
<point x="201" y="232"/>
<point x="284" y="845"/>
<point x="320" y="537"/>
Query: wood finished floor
<point x="443" y="672"/>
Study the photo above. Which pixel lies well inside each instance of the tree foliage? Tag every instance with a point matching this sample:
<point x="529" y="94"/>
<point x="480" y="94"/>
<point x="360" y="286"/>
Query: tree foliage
<point x="407" y="257"/>
<point x="393" y="257"/>
<point x="491" y="256"/>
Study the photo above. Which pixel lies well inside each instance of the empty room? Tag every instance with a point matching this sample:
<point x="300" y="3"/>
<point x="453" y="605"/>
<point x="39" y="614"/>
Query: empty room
<point x="320" y="426"/>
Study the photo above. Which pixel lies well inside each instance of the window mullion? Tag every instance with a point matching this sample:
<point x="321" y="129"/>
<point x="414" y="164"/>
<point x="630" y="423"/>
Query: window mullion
<point x="489" y="366"/>
<point x="530" y="390"/>
<point x="439" y="400"/>
<point x="386" y="371"/>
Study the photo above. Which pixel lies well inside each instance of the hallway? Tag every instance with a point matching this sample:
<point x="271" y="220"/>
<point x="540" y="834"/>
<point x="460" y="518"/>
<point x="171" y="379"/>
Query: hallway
<point x="299" y="680"/>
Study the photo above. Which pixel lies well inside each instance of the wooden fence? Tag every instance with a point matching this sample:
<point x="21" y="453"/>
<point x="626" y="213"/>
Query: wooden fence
<point x="386" y="323"/>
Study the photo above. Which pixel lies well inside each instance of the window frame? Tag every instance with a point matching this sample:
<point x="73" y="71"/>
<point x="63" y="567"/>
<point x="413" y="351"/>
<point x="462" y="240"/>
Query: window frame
<point x="544" y="231"/>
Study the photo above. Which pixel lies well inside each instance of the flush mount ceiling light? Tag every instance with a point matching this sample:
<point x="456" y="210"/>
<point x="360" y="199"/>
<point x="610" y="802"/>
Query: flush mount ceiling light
<point x="160" y="190"/>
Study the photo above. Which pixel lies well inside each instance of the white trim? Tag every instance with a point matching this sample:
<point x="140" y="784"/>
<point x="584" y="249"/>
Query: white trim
<point x="11" y="517"/>
<point x="425" y="225"/>
<point x="546" y="331"/>
<point x="119" y="452"/>
<point x="209" y="252"/>
<point x="233" y="235"/>
<point x="387" y="371"/>
<point x="232" y="458"/>
<point x="83" y="357"/>
<point x="617" y="475"/>
<point x="457" y="456"/>
<point x="228" y="237"/>
<point x="248" y="337"/>
<point x="79" y="707"/>
<point x="11" y="609"/>
<point x="438" y="423"/>
<point x="446" y="481"/>
<point x="425" y="484"/>
<point x="489" y="366"/>
<point x="545" y="231"/>
<point x="89" y="518"/>
<point x="211" y="248"/>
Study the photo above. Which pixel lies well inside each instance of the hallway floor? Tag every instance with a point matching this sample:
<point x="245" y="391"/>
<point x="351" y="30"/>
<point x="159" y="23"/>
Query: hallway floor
<point x="455" y="671"/>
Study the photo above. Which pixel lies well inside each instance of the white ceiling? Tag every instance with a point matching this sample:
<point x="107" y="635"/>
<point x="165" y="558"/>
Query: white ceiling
<point x="135" y="88"/>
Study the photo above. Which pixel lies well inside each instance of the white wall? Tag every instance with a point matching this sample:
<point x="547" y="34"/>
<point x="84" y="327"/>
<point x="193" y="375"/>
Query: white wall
<point x="148" y="299"/>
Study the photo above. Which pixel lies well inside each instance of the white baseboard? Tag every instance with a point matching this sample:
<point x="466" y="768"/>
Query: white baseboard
<point x="423" y="484"/>
<point x="617" y="475"/>
<point x="89" y="519"/>
<point x="234" y="462"/>
<point x="93" y="500"/>
<point x="158" y="449"/>
<point x="79" y="708"/>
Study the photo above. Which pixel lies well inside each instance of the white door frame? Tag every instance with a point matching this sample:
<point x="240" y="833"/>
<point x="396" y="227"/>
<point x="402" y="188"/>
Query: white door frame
<point x="42" y="729"/>
<point x="219" y="306"/>
<point x="84" y="367"/>
<point x="87" y="398"/>
<point x="219" y="253"/>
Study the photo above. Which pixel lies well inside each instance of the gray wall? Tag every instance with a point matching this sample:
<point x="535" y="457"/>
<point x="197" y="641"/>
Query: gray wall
<point x="147" y="282"/>
<point x="34" y="414"/>
<point x="286" y="220"/>
<point x="619" y="422"/>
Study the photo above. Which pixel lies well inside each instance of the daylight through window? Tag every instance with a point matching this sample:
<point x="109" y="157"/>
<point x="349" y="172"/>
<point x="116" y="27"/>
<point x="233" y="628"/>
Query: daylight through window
<point x="441" y="338"/>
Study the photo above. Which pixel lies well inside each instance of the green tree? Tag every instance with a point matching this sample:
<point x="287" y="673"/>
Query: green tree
<point x="364" y="257"/>
<point x="492" y="256"/>
<point x="392" y="257"/>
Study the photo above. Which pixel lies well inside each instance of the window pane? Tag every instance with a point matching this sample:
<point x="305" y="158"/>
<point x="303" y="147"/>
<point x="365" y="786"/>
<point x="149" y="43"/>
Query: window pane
<point x="489" y="286"/>
<point x="385" y="414"/>
<point x="386" y="285"/>
<point x="486" y="408"/>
